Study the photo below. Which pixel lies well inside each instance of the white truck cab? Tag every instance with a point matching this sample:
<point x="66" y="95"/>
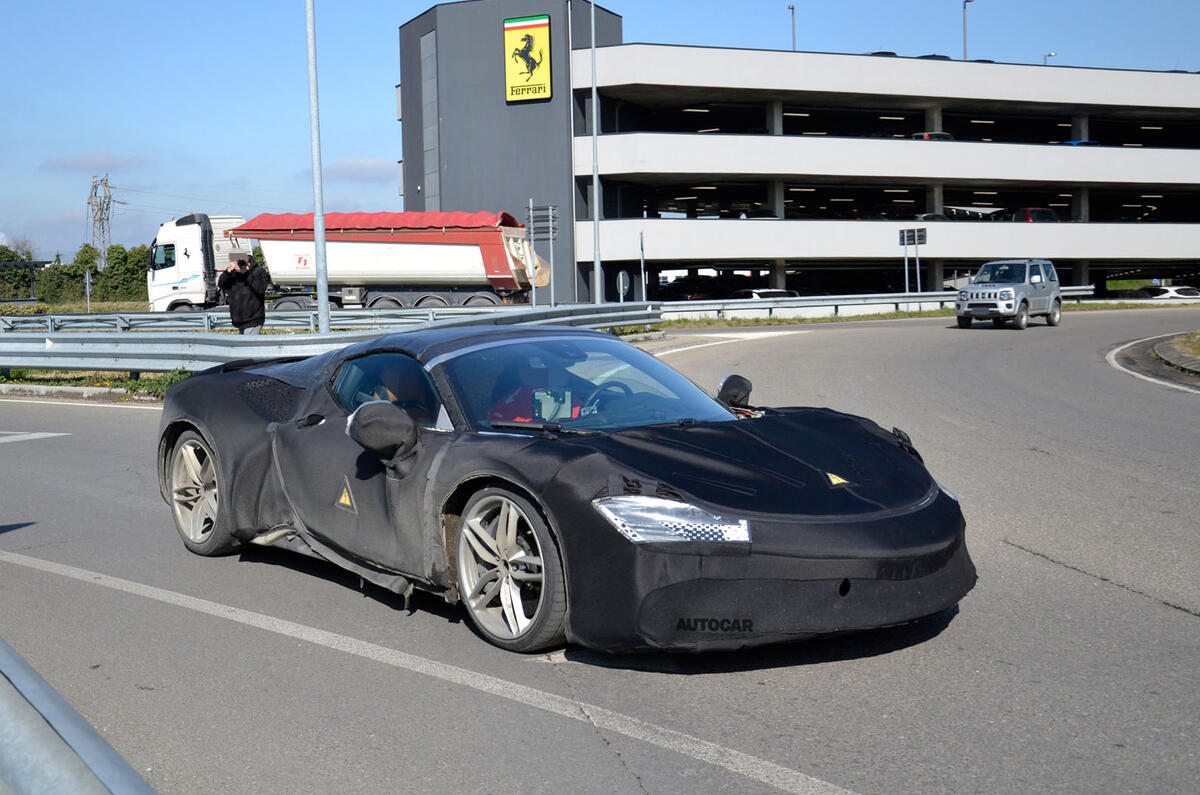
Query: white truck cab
<point x="186" y="258"/>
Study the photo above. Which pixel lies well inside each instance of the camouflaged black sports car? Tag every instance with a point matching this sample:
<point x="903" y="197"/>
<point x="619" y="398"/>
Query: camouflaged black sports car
<point x="564" y="485"/>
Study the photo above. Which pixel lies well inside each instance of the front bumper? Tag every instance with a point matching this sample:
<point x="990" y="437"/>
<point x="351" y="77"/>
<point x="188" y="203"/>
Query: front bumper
<point x="985" y="309"/>
<point x="722" y="596"/>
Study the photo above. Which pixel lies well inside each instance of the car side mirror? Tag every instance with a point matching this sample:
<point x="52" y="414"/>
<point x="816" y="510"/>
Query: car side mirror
<point x="735" y="391"/>
<point x="1035" y="279"/>
<point x="382" y="429"/>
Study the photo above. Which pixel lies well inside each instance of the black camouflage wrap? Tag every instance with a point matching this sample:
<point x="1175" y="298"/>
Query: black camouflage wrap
<point x="848" y="529"/>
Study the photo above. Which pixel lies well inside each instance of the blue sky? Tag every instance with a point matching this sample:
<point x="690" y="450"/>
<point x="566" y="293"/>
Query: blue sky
<point x="204" y="107"/>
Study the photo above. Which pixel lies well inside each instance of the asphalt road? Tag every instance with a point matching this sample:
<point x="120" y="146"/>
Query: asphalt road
<point x="1071" y="667"/>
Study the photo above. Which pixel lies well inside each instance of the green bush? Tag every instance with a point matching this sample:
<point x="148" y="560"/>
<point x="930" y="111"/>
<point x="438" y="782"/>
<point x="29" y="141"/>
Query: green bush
<point x="24" y="309"/>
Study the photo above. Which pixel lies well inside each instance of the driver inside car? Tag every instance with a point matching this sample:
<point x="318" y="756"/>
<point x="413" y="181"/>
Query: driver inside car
<point x="532" y="391"/>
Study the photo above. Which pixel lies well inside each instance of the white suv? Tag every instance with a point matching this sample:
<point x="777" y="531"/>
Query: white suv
<point x="1011" y="289"/>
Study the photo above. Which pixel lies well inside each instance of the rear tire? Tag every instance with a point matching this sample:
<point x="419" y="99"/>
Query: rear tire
<point x="290" y="304"/>
<point x="1055" y="316"/>
<point x="510" y="577"/>
<point x="1021" y="319"/>
<point x="196" y="482"/>
<point x="432" y="301"/>
<point x="482" y="299"/>
<point x="964" y="322"/>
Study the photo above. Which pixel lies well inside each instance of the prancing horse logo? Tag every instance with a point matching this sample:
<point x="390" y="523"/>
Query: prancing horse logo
<point x="524" y="54"/>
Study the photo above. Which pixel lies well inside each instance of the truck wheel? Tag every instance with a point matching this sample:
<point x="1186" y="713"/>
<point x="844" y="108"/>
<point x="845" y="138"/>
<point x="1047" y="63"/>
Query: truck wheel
<point x="183" y="308"/>
<point x="1021" y="319"/>
<point x="1055" y="316"/>
<point x="432" y="300"/>
<point x="964" y="322"/>
<point x="386" y="302"/>
<point x="290" y="304"/>
<point x="482" y="299"/>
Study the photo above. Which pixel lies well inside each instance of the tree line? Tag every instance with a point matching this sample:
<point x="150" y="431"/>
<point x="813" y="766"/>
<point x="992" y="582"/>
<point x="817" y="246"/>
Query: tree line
<point x="123" y="279"/>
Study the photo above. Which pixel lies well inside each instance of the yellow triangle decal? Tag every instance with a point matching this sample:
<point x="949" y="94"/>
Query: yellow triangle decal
<point x="344" y="500"/>
<point x="836" y="480"/>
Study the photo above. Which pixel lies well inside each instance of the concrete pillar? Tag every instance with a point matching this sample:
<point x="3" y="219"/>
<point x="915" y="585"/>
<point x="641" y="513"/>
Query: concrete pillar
<point x="1079" y="128"/>
<point x="775" y="198"/>
<point x="933" y="119"/>
<point x="1081" y="205"/>
<point x="934" y="275"/>
<point x="775" y="118"/>
<point x="778" y="275"/>
<point x="935" y="198"/>
<point x="1083" y="272"/>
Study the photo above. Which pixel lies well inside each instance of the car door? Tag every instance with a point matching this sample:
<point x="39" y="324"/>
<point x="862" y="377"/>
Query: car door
<point x="1038" y="290"/>
<point x="339" y="490"/>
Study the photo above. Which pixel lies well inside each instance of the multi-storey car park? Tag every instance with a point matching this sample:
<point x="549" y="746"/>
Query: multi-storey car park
<point x="799" y="168"/>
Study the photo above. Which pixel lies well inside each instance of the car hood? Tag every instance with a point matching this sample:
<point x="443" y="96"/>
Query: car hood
<point x="807" y="462"/>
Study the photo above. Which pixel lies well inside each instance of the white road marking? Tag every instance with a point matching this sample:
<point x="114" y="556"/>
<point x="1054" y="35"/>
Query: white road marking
<point x="1111" y="358"/>
<point x="88" y="403"/>
<point x="742" y="336"/>
<point x="14" y="436"/>
<point x="752" y="767"/>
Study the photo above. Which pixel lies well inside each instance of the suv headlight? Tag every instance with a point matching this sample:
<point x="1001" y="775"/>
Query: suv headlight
<point x="1006" y="295"/>
<point x="653" y="519"/>
<point x="962" y="295"/>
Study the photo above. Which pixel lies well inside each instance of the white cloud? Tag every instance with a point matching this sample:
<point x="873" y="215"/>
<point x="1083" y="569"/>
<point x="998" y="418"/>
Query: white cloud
<point x="362" y="169"/>
<point x="3" y="239"/>
<point x="94" y="163"/>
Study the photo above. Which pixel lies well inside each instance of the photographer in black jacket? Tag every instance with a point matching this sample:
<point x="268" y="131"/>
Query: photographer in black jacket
<point x="245" y="285"/>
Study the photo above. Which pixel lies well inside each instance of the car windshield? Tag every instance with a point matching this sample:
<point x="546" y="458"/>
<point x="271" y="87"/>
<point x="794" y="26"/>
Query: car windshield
<point x="1000" y="272"/>
<point x="578" y="383"/>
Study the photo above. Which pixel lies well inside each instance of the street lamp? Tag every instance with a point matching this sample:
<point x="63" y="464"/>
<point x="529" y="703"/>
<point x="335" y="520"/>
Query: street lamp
<point x="1046" y="58"/>
<point x="792" y="8"/>
<point x="965" y="27"/>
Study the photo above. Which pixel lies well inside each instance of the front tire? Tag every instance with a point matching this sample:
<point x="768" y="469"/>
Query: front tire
<point x="1055" y="316"/>
<point x="509" y="574"/>
<point x="1021" y="319"/>
<point x="196" y="487"/>
<point x="964" y="322"/>
<point x="999" y="322"/>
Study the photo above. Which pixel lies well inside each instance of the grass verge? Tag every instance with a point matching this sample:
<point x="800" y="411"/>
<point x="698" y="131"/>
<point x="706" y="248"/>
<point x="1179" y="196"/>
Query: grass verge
<point x="152" y="384"/>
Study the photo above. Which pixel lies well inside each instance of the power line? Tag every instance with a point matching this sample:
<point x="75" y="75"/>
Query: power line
<point x="202" y="200"/>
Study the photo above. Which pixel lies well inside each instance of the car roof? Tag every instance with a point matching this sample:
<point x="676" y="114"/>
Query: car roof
<point x="426" y="344"/>
<point x="423" y="344"/>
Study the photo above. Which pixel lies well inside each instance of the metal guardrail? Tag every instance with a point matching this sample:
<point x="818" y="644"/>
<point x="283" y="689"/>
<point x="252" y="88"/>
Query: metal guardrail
<point x="164" y="351"/>
<point x="46" y="746"/>
<point x="800" y="305"/>
<point x="297" y="320"/>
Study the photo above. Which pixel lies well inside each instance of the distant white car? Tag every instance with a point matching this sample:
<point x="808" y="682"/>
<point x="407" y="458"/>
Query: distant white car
<point x="773" y="292"/>
<point x="1161" y="293"/>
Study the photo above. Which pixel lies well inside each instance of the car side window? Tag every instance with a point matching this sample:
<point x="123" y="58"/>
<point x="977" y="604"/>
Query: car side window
<point x="394" y="377"/>
<point x="1048" y="269"/>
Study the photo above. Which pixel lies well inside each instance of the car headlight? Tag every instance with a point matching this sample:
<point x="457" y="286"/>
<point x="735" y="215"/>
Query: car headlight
<point x="653" y="519"/>
<point x="962" y="295"/>
<point x="1006" y="295"/>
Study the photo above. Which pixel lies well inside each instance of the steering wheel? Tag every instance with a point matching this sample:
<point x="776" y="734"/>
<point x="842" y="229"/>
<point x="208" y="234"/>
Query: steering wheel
<point x="594" y="395"/>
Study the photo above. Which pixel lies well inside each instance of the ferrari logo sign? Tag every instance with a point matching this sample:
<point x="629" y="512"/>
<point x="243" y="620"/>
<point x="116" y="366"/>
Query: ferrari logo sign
<point x="527" y="58"/>
<point x="345" y="499"/>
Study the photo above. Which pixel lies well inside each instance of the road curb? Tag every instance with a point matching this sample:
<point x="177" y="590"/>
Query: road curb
<point x="76" y="393"/>
<point x="1171" y="355"/>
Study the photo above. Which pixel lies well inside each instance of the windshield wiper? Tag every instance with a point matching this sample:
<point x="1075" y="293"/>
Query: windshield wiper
<point x="551" y="427"/>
